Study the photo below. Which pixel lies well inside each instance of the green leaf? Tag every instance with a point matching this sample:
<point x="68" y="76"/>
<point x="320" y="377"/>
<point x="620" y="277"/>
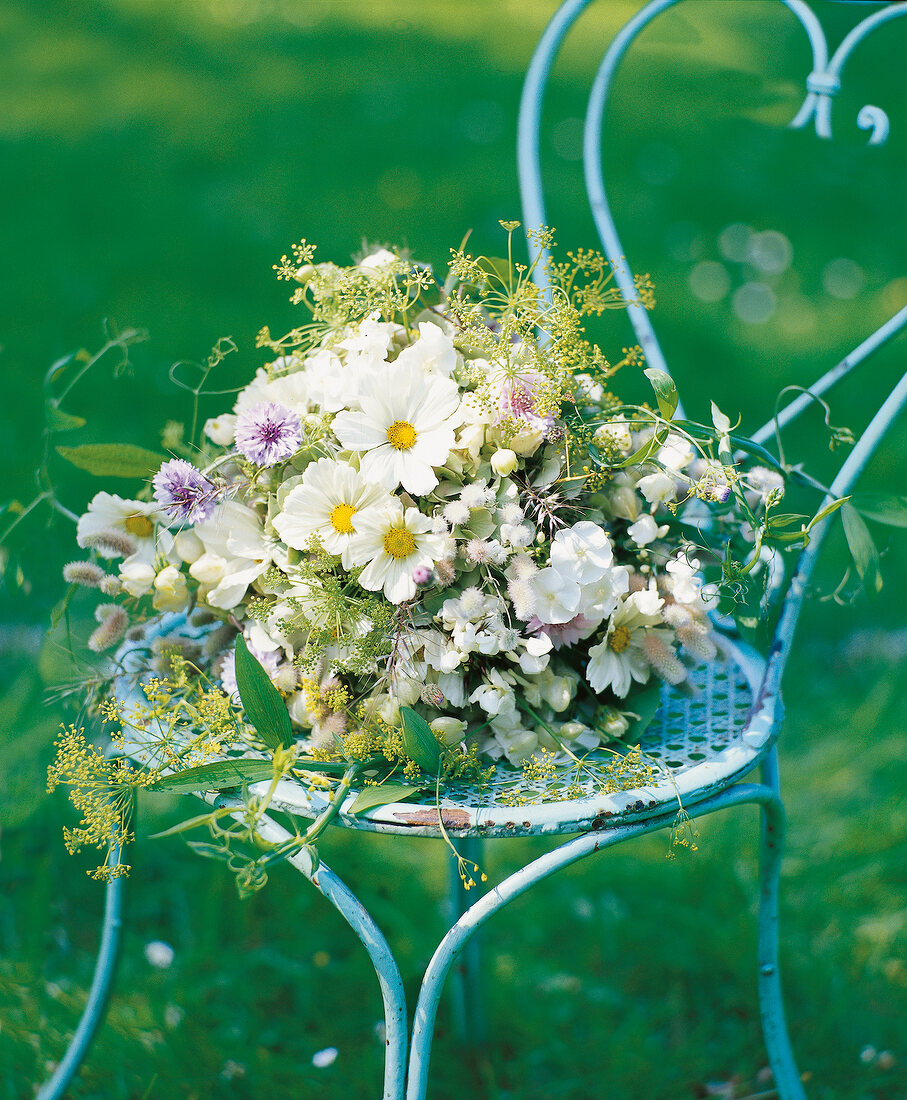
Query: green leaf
<point x="827" y="511"/>
<point x="645" y="451"/>
<point x="113" y="459"/>
<point x="882" y="508"/>
<point x="419" y="741"/>
<point x="645" y="707"/>
<point x="215" y="777"/>
<point x="60" y="421"/>
<point x="862" y="549"/>
<point x="665" y="391"/>
<point x="262" y="702"/>
<point x="381" y="795"/>
<point x="785" y="519"/>
<point x="721" y="420"/>
<point x="193" y="823"/>
<point x="496" y="265"/>
<point x="481" y="524"/>
<point x="209" y="851"/>
<point x="60" y="366"/>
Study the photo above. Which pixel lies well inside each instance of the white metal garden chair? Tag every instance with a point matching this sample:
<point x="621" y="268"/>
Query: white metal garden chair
<point x="710" y="741"/>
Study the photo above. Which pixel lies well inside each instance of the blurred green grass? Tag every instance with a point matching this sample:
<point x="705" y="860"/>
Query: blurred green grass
<point x="157" y="159"/>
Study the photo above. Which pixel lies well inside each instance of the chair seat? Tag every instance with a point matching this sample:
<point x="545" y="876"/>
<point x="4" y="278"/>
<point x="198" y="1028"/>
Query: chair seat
<point x="705" y="736"/>
<point x="706" y="739"/>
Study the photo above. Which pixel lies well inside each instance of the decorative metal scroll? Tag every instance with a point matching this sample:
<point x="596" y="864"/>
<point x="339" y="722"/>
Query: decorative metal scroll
<point x="822" y="84"/>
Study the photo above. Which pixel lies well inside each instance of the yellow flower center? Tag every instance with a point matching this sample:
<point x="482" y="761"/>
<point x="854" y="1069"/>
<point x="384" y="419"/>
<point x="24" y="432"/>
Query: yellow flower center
<point x="619" y="639"/>
<point x="340" y="517"/>
<point x="399" y="543"/>
<point x="401" y="435"/>
<point x="139" y="525"/>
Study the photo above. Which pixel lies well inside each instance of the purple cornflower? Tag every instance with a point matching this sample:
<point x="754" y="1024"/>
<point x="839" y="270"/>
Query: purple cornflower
<point x="267" y="433"/>
<point x="184" y="492"/>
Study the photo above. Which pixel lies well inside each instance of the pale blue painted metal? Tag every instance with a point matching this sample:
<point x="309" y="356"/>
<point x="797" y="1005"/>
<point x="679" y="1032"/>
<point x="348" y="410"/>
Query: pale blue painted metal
<point x="98" y="994"/>
<point x="704" y="791"/>
<point x="359" y="919"/>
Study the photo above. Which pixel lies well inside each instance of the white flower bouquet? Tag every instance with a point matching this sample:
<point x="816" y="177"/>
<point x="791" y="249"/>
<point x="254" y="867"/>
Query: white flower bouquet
<point x="427" y="541"/>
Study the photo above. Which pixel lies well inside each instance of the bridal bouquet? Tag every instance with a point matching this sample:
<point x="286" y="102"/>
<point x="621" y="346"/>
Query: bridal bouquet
<point x="426" y="541"/>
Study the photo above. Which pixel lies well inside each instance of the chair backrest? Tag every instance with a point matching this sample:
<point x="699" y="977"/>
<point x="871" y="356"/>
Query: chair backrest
<point x="822" y="83"/>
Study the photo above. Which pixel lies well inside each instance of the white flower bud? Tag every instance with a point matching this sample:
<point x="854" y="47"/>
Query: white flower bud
<point x="137" y="577"/>
<point x="450" y="730"/>
<point x="188" y="545"/>
<point x="504" y="461"/>
<point x="219" y="429"/>
<point x="209" y="569"/>
<point x="170" y="590"/>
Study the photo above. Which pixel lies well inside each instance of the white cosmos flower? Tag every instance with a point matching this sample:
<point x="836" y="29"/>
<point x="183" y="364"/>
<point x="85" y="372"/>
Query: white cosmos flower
<point x="406" y="426"/>
<point x="133" y="518"/>
<point x="329" y="502"/>
<point x="618" y="659"/>
<point x="394" y="542"/>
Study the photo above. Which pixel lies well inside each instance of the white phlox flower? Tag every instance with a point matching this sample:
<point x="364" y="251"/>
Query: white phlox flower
<point x="405" y="428"/>
<point x="646" y="530"/>
<point x="532" y="654"/>
<point x="557" y="597"/>
<point x="676" y="453"/>
<point x="432" y="353"/>
<point x="394" y="542"/>
<point x="686" y="580"/>
<point x="371" y="343"/>
<point x="511" y="739"/>
<point x="495" y="695"/>
<point x="582" y="552"/>
<point x="657" y="488"/>
<point x="329" y="502"/>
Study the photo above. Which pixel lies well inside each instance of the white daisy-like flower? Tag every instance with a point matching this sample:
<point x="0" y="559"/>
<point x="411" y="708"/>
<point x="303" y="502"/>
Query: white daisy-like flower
<point x="405" y="428"/>
<point x="394" y="542"/>
<point x="133" y="518"/>
<point x="329" y="502"/>
<point x="619" y="658"/>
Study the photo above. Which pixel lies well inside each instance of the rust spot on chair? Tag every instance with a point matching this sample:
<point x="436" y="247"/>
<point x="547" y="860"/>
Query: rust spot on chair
<point x="450" y="818"/>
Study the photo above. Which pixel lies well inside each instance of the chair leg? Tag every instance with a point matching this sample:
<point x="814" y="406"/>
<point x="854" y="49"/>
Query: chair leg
<point x="466" y="979"/>
<point x="96" y="1005"/>
<point x="774" y="1028"/>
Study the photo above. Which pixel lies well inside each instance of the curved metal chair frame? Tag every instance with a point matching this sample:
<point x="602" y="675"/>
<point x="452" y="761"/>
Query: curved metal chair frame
<point x="604" y="822"/>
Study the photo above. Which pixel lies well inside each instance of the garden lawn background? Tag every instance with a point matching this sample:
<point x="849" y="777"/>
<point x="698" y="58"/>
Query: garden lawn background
<point x="156" y="160"/>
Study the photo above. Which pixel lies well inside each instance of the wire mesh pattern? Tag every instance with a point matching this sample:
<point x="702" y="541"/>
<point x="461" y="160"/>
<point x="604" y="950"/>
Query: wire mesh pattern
<point x="702" y="738"/>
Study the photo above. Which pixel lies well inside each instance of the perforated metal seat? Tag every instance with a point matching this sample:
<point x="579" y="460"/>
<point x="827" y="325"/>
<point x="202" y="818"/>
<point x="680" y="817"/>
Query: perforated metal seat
<point x="704" y="739"/>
